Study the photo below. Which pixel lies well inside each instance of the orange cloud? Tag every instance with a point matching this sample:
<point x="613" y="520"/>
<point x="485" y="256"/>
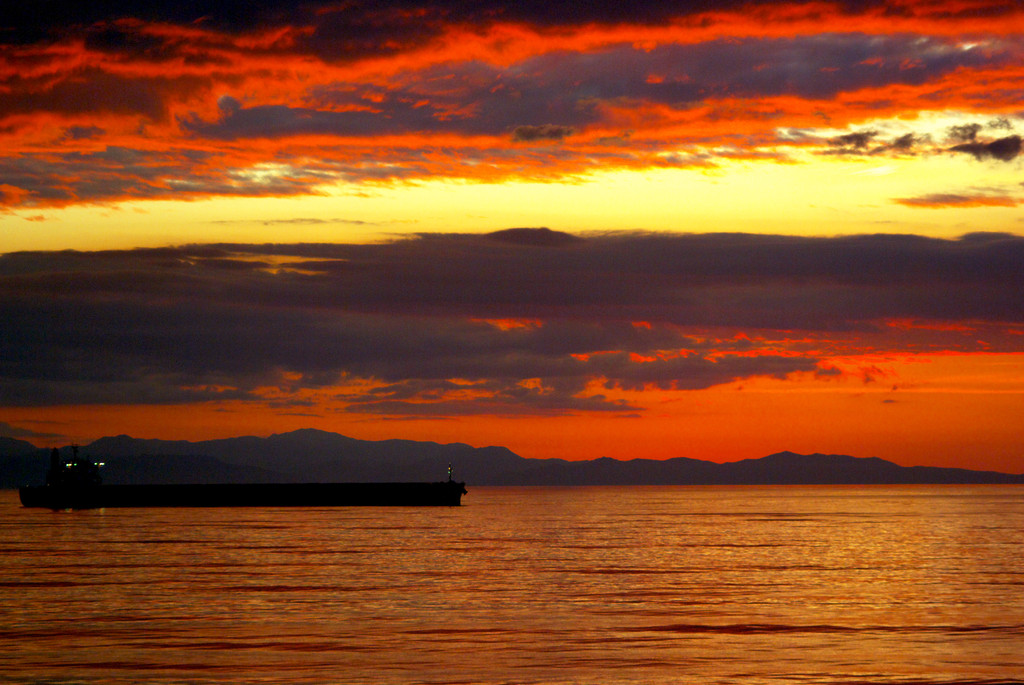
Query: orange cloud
<point x="519" y="97"/>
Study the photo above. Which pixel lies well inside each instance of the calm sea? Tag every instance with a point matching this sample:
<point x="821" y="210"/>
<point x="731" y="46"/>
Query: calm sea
<point x="906" y="585"/>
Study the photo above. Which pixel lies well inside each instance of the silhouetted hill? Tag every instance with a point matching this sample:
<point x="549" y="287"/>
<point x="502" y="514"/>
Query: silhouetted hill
<point x="313" y="455"/>
<point x="12" y="447"/>
<point x="783" y="468"/>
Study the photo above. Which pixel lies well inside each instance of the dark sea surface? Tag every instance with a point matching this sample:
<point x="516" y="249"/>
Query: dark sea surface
<point x="909" y="585"/>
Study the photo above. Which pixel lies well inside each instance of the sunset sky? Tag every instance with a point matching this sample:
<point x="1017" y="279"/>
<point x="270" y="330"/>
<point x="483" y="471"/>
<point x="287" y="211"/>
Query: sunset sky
<point x="698" y="229"/>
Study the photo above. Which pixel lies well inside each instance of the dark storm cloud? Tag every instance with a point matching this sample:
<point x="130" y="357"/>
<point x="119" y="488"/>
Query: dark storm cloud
<point x="545" y="132"/>
<point x="868" y="143"/>
<point x="530" y="324"/>
<point x="1002" y="149"/>
<point x="343" y="29"/>
<point x="859" y="143"/>
<point x="858" y="140"/>
<point x="362" y="27"/>
<point x="122" y="40"/>
<point x="554" y="95"/>
<point x="964" y="133"/>
<point x="904" y="143"/>
<point x="332" y="31"/>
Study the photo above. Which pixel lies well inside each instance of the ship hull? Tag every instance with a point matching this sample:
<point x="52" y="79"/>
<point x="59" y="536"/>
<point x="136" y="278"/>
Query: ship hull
<point x="445" y="493"/>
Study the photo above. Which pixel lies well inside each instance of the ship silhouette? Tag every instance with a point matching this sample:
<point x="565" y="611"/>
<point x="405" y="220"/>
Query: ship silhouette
<point x="76" y="484"/>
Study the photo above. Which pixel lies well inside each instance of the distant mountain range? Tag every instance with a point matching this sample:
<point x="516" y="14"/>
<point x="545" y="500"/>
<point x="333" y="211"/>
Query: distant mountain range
<point x="312" y="455"/>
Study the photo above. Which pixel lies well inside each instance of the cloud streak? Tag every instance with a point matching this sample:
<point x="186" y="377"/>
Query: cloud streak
<point x="525" y="321"/>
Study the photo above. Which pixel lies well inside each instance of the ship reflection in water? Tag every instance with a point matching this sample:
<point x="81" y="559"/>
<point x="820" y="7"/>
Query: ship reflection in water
<point x="77" y="485"/>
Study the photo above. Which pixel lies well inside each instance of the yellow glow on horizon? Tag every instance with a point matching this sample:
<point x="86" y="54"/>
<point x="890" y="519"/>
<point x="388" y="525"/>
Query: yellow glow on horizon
<point x="822" y="196"/>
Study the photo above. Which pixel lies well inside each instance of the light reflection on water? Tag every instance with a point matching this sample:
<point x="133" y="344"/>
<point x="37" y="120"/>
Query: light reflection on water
<point x="916" y="584"/>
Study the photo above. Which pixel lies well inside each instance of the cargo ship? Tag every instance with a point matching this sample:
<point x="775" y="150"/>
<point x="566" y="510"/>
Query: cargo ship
<point x="77" y="485"/>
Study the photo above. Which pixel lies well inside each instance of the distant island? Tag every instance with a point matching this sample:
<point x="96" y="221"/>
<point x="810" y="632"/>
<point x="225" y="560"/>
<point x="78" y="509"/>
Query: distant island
<point x="310" y="455"/>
